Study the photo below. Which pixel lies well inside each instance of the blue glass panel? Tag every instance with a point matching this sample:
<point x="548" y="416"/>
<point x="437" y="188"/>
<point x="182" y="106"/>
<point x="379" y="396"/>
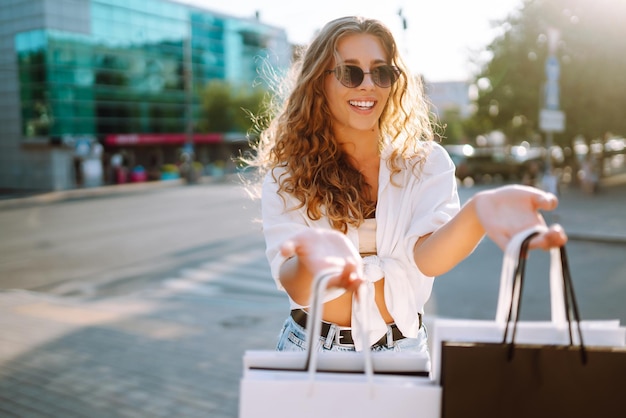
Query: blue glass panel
<point x="30" y="41"/>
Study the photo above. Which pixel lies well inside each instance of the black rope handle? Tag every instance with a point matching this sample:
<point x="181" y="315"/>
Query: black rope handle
<point x="571" y="305"/>
<point x="517" y="290"/>
<point x="568" y="289"/>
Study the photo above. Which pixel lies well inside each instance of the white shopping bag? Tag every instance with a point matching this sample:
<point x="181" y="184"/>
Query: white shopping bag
<point x="313" y="384"/>
<point x="595" y="333"/>
<point x="284" y="394"/>
<point x="400" y="363"/>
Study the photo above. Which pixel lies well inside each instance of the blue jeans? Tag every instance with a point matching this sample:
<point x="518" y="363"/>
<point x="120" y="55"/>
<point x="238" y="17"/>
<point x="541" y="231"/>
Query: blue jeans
<point x="293" y="338"/>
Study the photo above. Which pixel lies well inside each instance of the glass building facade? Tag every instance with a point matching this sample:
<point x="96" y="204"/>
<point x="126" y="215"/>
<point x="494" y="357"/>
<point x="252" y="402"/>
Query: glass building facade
<point x="111" y="70"/>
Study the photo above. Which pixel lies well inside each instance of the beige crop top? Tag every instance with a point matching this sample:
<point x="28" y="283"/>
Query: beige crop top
<point x="367" y="237"/>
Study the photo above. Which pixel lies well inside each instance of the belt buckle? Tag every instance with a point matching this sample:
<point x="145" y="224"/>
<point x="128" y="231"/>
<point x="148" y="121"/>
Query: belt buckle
<point x="339" y="336"/>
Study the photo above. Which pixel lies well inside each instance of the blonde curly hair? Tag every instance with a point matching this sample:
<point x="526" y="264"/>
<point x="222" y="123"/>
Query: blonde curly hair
<point x="300" y="141"/>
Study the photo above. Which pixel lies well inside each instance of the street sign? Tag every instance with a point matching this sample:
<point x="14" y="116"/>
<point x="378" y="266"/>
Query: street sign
<point x="551" y="88"/>
<point x="552" y="68"/>
<point x="551" y="91"/>
<point x="551" y="120"/>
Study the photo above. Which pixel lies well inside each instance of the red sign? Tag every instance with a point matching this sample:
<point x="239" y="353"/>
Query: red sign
<point x="162" y="139"/>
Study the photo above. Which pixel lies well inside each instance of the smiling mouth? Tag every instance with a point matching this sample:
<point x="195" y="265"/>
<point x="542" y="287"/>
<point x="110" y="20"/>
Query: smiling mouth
<point x="362" y="104"/>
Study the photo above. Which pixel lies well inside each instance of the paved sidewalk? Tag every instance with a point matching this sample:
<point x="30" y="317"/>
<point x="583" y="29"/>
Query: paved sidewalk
<point x="161" y="353"/>
<point x="168" y="352"/>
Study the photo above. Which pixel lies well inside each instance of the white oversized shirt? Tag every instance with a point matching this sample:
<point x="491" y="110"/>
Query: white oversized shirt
<point x="416" y="205"/>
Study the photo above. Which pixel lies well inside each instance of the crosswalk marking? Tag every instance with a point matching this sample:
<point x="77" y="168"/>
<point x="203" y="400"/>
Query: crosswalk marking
<point x="236" y="272"/>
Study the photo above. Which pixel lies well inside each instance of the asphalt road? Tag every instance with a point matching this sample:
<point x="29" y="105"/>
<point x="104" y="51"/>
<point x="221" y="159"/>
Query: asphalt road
<point x="142" y="304"/>
<point x="120" y="244"/>
<point x="79" y="245"/>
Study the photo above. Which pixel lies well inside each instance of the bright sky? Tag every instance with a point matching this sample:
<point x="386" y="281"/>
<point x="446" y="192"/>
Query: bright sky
<point x="437" y="43"/>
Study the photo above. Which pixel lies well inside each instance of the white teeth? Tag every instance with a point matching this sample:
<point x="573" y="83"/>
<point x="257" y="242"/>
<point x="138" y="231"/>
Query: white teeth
<point x="364" y="104"/>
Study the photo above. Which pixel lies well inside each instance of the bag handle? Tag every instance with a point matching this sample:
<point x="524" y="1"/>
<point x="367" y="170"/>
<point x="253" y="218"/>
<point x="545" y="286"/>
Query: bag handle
<point x="570" y="304"/>
<point x="509" y="263"/>
<point x="568" y="290"/>
<point x="314" y="325"/>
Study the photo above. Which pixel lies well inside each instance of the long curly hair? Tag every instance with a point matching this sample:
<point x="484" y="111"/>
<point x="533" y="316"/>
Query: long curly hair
<point x="300" y="140"/>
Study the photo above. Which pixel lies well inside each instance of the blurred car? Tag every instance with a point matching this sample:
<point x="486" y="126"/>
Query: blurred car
<point x="460" y="156"/>
<point x="509" y="163"/>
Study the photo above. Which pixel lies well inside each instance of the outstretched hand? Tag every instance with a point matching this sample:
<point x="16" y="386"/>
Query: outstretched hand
<point x="322" y="249"/>
<point x="505" y="211"/>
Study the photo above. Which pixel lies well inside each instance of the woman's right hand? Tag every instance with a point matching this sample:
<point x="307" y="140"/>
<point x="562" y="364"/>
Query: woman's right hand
<point x="324" y="249"/>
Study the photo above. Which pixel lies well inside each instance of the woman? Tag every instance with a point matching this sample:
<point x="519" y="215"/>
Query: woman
<point x="356" y="188"/>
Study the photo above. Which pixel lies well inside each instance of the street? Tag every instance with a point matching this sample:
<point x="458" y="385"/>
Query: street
<point x="142" y="305"/>
<point x="77" y="245"/>
<point x="120" y="244"/>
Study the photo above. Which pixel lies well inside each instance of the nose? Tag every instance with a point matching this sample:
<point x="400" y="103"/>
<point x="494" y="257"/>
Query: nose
<point x="368" y="81"/>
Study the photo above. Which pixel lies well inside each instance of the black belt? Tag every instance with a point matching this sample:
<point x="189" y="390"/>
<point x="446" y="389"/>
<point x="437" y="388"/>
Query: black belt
<point x="344" y="336"/>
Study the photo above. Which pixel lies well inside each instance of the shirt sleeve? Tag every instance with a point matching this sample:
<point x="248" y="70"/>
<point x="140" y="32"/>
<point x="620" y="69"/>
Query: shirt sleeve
<point x="434" y="196"/>
<point x="280" y="222"/>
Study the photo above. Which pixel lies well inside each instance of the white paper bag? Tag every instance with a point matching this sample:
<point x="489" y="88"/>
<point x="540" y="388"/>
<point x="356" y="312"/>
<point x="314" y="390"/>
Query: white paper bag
<point x="595" y="333"/>
<point x="283" y="394"/>
<point x="383" y="362"/>
<point x="364" y="384"/>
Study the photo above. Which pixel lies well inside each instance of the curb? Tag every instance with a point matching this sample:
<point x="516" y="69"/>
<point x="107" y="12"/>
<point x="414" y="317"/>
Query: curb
<point x="615" y="180"/>
<point x="601" y="239"/>
<point x="101" y="191"/>
<point x="110" y="190"/>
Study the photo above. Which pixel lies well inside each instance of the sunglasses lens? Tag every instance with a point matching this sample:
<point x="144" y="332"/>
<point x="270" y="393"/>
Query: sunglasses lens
<point x="384" y="76"/>
<point x="352" y="76"/>
<point x="349" y="75"/>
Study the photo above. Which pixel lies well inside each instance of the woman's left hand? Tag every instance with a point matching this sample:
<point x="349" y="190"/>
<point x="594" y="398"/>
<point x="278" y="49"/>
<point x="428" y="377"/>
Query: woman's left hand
<point x="507" y="210"/>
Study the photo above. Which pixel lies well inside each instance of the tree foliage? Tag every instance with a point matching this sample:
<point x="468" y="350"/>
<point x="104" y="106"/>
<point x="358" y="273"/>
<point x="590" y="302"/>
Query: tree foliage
<point x="228" y="108"/>
<point x="591" y="52"/>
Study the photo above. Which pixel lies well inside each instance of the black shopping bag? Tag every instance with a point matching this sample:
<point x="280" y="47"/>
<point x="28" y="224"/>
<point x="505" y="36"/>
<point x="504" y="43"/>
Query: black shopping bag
<point x="480" y="380"/>
<point x="530" y="380"/>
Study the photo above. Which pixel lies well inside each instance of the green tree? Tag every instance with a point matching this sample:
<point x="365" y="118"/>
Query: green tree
<point x="229" y="108"/>
<point x="592" y="69"/>
<point x="452" y="124"/>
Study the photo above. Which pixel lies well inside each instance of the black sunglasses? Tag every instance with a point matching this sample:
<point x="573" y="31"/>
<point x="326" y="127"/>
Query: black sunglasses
<point x="352" y="76"/>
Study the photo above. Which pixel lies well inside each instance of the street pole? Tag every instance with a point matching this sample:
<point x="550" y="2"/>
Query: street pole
<point x="551" y="119"/>
<point x="549" y="141"/>
<point x="404" y="33"/>
<point x="188" y="80"/>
